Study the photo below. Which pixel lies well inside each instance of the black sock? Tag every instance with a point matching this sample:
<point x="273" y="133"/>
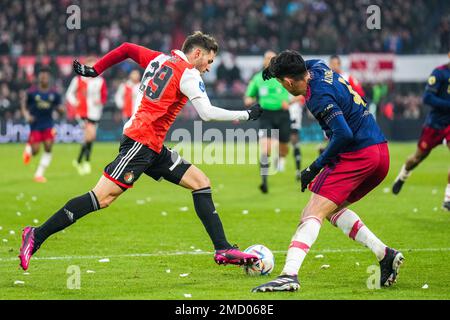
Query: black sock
<point x="297" y="156"/>
<point x="264" y="165"/>
<point x="73" y="210"/>
<point x="82" y="152"/>
<point x="207" y="213"/>
<point x="88" y="151"/>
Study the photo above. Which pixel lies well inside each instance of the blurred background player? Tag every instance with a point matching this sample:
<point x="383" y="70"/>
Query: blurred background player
<point x="125" y="97"/>
<point x="355" y="161"/>
<point x="37" y="109"/>
<point x="296" y="114"/>
<point x="88" y="96"/>
<point x="274" y="100"/>
<point x="436" y="128"/>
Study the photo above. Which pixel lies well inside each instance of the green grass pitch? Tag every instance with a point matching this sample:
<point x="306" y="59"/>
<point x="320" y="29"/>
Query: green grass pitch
<point x="143" y="243"/>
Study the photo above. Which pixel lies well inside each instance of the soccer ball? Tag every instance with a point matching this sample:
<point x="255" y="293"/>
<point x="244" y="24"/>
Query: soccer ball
<point x="264" y="265"/>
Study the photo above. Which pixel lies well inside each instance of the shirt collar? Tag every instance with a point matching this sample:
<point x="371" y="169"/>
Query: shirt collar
<point x="180" y="54"/>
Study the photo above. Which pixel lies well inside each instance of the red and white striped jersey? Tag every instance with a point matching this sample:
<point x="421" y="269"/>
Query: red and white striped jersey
<point x="125" y="98"/>
<point x="88" y="96"/>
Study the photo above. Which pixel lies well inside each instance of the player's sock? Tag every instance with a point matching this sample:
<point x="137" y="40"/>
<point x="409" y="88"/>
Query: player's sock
<point x="46" y="158"/>
<point x="73" y="210"/>
<point x="447" y="193"/>
<point x="297" y="156"/>
<point x="88" y="151"/>
<point x="303" y="239"/>
<point x="28" y="149"/>
<point x="404" y="174"/>
<point x="351" y="224"/>
<point x="281" y="164"/>
<point x="207" y="213"/>
<point x="82" y="152"/>
<point x="264" y="165"/>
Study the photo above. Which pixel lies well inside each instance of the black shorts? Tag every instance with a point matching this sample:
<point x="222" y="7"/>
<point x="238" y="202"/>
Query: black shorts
<point x="278" y="119"/>
<point x="135" y="158"/>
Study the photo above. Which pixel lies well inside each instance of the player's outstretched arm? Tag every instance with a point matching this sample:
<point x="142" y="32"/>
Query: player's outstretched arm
<point x="192" y="86"/>
<point x="139" y="54"/>
<point x="435" y="101"/>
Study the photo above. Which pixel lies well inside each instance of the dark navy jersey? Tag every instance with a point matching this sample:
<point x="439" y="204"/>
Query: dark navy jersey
<point x="41" y="105"/>
<point x="437" y="96"/>
<point x="341" y="112"/>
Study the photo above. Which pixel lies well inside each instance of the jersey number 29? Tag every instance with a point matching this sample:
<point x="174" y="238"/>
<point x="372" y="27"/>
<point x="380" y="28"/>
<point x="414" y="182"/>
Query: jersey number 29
<point x="158" y="81"/>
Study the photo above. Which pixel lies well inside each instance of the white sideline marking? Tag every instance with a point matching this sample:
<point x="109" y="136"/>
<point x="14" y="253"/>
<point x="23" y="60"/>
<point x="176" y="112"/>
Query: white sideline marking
<point x="183" y="253"/>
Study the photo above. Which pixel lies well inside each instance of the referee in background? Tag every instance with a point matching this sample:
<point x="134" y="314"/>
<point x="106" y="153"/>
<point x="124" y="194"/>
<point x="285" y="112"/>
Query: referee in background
<point x="274" y="100"/>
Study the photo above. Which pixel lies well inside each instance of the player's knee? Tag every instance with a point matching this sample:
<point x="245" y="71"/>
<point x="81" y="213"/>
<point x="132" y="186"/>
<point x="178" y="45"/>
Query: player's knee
<point x="105" y="201"/>
<point x="202" y="182"/>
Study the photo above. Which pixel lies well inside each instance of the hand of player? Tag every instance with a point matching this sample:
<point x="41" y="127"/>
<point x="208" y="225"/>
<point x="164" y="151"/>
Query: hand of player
<point x="254" y="112"/>
<point x="308" y="174"/>
<point x="84" y="70"/>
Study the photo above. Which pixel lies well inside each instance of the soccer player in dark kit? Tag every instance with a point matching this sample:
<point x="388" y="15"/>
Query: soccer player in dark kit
<point x="37" y="109"/>
<point x="436" y="128"/>
<point x="169" y="81"/>
<point x="355" y="161"/>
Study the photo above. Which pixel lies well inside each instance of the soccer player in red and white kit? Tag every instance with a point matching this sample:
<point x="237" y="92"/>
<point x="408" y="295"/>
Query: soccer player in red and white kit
<point x="88" y="95"/>
<point x="169" y="81"/>
<point x="127" y="93"/>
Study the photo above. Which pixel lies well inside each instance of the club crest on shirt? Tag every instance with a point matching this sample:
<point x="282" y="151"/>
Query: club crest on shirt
<point x="201" y="85"/>
<point x="128" y="177"/>
<point x="431" y="80"/>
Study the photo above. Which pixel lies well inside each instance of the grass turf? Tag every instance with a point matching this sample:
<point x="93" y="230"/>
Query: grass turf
<point x="135" y="224"/>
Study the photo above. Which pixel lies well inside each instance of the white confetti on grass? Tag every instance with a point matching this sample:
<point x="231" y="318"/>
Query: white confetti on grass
<point x="26" y="273"/>
<point x="319" y="256"/>
<point x="19" y="213"/>
<point x="19" y="283"/>
<point x="90" y="271"/>
<point x="325" y="266"/>
<point x="386" y="190"/>
<point x="198" y="250"/>
<point x="244" y="211"/>
<point x="35" y="221"/>
<point x="277" y="210"/>
<point x="163" y="213"/>
<point x="34" y="198"/>
<point x="140" y="202"/>
<point x="188" y="295"/>
<point x="434" y="191"/>
<point x="357" y="264"/>
<point x="1" y="228"/>
<point x="12" y="232"/>
<point x="184" y="209"/>
<point x="183" y="275"/>
<point x="167" y="270"/>
<point x="105" y="260"/>
<point x="5" y="240"/>
<point x="425" y="286"/>
<point x="415" y="210"/>
<point x="435" y="209"/>
<point x="148" y="199"/>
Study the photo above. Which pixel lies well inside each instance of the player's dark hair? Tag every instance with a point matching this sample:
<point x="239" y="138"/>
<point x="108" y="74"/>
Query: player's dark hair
<point x="288" y="63"/>
<point x="44" y="69"/>
<point x="335" y="56"/>
<point x="202" y="40"/>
